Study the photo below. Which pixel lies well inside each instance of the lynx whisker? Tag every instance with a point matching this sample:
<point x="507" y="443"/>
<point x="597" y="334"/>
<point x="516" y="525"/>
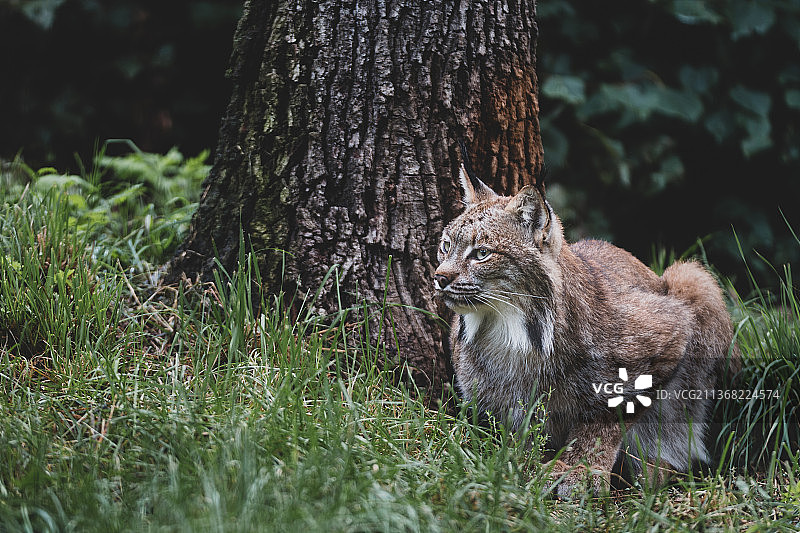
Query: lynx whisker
<point x="470" y="302"/>
<point x="503" y="300"/>
<point x="521" y="294"/>
<point x="482" y="298"/>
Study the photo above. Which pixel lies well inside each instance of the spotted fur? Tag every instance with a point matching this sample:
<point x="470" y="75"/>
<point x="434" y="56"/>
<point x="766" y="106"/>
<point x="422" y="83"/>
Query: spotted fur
<point x="537" y="315"/>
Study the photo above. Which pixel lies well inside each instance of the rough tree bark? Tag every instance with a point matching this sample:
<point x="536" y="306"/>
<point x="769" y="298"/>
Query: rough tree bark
<point x="340" y="146"/>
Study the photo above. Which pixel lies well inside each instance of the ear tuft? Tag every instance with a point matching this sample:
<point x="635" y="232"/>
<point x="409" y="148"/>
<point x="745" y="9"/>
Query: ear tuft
<point x="475" y="191"/>
<point x="544" y="172"/>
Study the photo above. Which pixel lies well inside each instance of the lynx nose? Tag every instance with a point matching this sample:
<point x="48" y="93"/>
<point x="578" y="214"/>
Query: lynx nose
<point x="441" y="281"/>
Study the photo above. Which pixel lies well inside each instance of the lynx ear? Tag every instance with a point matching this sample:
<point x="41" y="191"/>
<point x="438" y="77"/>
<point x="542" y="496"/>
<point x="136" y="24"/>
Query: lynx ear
<point x="532" y="208"/>
<point x="475" y="191"/>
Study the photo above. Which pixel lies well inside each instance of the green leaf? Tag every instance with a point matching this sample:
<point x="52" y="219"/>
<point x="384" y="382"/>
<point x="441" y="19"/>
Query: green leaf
<point x="721" y="125"/>
<point x="61" y="181"/>
<point x="634" y="98"/>
<point x="695" y="12"/>
<point x="758" y="139"/>
<point x="126" y="195"/>
<point x="793" y="98"/>
<point x="44" y="171"/>
<point x="77" y="201"/>
<point x="641" y="101"/>
<point x="756" y="101"/>
<point x="570" y="89"/>
<point x="597" y="104"/>
<point x="680" y="104"/>
<point x="749" y="17"/>
<point x="42" y="12"/>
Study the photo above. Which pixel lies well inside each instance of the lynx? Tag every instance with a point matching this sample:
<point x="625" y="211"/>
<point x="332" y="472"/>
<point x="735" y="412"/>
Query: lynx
<point x="537" y="315"/>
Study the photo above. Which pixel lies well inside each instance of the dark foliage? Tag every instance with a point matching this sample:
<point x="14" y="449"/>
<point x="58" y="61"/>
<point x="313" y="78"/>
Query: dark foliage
<point x="79" y="70"/>
<point x="668" y="121"/>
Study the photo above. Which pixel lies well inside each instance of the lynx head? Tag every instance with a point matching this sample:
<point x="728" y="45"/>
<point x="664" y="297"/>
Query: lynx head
<point x="501" y="251"/>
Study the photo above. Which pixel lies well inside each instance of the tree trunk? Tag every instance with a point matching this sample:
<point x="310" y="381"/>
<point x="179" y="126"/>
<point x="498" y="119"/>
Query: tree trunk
<point x="340" y="146"/>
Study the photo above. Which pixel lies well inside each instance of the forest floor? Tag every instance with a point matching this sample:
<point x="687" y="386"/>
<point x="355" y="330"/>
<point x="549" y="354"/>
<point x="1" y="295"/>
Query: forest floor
<point x="130" y="406"/>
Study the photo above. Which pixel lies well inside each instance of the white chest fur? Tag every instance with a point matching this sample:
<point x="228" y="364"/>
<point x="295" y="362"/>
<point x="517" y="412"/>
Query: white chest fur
<point x="504" y="332"/>
<point x="509" y="339"/>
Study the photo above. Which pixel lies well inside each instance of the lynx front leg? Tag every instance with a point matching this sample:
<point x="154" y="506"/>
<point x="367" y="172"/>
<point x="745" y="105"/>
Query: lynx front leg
<point x="596" y="444"/>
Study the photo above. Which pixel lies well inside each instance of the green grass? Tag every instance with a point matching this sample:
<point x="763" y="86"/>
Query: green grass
<point x="769" y="336"/>
<point x="199" y="409"/>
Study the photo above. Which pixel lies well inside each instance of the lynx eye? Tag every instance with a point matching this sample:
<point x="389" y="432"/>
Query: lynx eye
<point x="482" y="253"/>
<point x="445" y="246"/>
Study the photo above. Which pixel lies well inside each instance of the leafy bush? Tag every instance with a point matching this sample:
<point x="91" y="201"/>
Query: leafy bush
<point x="138" y="205"/>
<point x="670" y="120"/>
